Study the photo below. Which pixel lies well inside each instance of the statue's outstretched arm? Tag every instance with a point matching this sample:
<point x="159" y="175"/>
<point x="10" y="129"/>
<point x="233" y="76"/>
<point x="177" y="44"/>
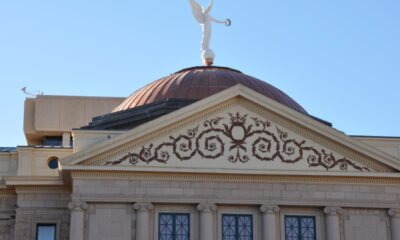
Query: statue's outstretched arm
<point x="218" y="21"/>
<point x="227" y="22"/>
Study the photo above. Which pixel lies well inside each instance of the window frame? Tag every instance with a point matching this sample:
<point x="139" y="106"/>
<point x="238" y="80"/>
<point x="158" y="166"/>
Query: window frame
<point x="299" y="217"/>
<point x="174" y="214"/>
<point x="38" y="225"/>
<point x="303" y="211"/>
<point x="175" y="208"/>
<point x="236" y="216"/>
<point x="52" y="141"/>
<point x="254" y="211"/>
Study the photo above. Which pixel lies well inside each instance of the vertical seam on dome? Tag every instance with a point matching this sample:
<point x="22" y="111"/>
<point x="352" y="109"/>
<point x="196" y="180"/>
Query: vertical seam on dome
<point x="189" y="82"/>
<point x="157" y="89"/>
<point x="139" y="96"/>
<point x="204" y="86"/>
<point x="166" y="91"/>
<point x="126" y="104"/>
<point x="230" y="80"/>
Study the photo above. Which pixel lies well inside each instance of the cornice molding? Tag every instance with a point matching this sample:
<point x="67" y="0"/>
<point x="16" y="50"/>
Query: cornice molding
<point x="277" y="177"/>
<point x="42" y="189"/>
<point x="8" y="193"/>
<point x="45" y="211"/>
<point x="33" y="180"/>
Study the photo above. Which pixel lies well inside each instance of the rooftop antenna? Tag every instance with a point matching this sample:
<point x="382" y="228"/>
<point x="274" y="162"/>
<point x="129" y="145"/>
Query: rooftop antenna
<point x="33" y="93"/>
<point x="202" y="16"/>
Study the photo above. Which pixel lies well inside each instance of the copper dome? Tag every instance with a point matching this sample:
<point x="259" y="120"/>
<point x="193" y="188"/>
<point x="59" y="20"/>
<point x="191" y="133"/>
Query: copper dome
<point x="200" y="82"/>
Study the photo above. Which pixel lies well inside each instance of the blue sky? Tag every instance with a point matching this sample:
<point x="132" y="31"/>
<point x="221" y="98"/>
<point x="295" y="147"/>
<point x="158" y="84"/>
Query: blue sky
<point x="339" y="59"/>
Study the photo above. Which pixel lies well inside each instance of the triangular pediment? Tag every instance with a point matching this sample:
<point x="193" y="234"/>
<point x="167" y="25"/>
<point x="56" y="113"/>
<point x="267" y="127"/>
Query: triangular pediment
<point x="237" y="130"/>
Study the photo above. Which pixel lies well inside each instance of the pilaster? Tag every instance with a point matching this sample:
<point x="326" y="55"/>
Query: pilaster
<point x="332" y="221"/>
<point x="394" y="214"/>
<point x="269" y="213"/>
<point x="143" y="220"/>
<point x="207" y="221"/>
<point x="77" y="226"/>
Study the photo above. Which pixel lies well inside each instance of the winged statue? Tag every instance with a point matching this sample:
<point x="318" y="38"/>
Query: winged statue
<point x="203" y="17"/>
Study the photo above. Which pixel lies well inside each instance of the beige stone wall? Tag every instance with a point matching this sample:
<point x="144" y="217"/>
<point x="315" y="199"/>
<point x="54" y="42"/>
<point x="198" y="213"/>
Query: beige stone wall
<point x="34" y="161"/>
<point x="364" y="214"/>
<point x="27" y="220"/>
<point x="41" y="205"/>
<point x="53" y="115"/>
<point x="7" y="212"/>
<point x="240" y="192"/>
<point x="365" y="224"/>
<point x="8" y="164"/>
<point x="110" y="221"/>
<point x="6" y="229"/>
<point x="84" y="139"/>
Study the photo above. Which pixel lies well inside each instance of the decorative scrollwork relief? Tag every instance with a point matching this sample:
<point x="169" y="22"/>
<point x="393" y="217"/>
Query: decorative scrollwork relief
<point x="241" y="142"/>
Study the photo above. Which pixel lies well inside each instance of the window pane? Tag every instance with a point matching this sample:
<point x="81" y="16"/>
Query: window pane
<point x="46" y="232"/>
<point x="237" y="227"/>
<point x="228" y="227"/>
<point x="182" y="226"/>
<point x="166" y="226"/>
<point x="308" y="228"/>
<point x="291" y="228"/>
<point x="52" y="141"/>
<point x="300" y="228"/>
<point x="173" y="226"/>
<point x="245" y="227"/>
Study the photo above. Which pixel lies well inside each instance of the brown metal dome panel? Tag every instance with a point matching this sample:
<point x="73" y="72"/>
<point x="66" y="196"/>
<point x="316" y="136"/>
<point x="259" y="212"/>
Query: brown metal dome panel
<point x="200" y="82"/>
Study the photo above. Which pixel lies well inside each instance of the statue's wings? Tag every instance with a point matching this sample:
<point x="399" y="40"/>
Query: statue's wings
<point x="197" y="11"/>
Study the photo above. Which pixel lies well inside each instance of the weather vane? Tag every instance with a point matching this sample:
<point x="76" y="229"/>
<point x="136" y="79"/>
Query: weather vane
<point x="202" y="16"/>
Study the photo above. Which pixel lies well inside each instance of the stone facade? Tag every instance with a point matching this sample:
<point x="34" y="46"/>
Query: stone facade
<point x="235" y="155"/>
<point x="360" y="211"/>
<point x="41" y="205"/>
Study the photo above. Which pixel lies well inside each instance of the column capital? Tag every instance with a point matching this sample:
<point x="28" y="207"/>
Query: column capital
<point x="394" y="212"/>
<point x="77" y="206"/>
<point x="269" y="209"/>
<point x="333" y="211"/>
<point x="143" y="207"/>
<point x="207" y="207"/>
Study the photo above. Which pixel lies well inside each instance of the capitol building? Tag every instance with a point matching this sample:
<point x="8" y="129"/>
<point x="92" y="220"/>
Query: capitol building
<point x="206" y="153"/>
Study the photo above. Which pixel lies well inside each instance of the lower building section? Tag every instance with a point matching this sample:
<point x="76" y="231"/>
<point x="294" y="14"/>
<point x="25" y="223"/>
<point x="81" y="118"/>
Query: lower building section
<point x="103" y="221"/>
<point x="201" y="207"/>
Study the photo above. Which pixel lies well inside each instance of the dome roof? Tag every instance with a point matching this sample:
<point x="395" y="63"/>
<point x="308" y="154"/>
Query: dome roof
<point x="200" y="82"/>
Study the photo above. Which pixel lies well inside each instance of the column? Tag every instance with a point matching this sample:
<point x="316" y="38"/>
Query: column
<point x="269" y="229"/>
<point x="394" y="215"/>
<point x="143" y="220"/>
<point x="207" y="221"/>
<point x="77" y="225"/>
<point x="332" y="222"/>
